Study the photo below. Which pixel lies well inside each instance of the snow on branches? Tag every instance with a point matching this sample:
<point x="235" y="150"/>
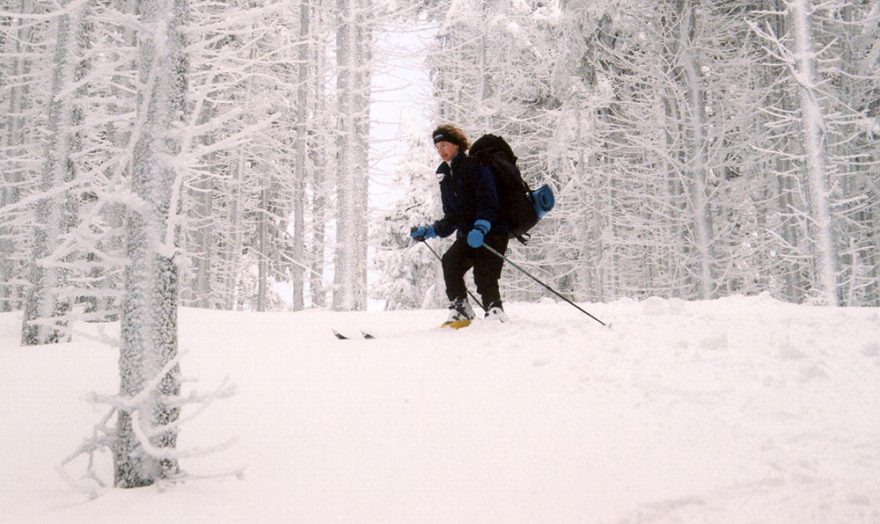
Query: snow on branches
<point x="95" y="480"/>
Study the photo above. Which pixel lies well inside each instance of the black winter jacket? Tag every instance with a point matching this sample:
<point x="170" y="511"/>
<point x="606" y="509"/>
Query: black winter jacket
<point x="468" y="193"/>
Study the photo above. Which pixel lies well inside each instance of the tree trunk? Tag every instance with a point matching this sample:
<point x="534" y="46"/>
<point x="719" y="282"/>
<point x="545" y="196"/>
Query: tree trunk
<point x="363" y="76"/>
<point x="299" y="197"/>
<point x="349" y="291"/>
<point x="233" y="252"/>
<point x="263" y="250"/>
<point x="698" y="168"/>
<point x="815" y="148"/>
<point x="320" y="178"/>
<point x="204" y="278"/>
<point x="149" y="375"/>
<point x="44" y="319"/>
<point x="10" y="292"/>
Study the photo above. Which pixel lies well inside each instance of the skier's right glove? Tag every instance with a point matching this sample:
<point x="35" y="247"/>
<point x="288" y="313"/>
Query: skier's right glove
<point x="478" y="233"/>
<point x="422" y="233"/>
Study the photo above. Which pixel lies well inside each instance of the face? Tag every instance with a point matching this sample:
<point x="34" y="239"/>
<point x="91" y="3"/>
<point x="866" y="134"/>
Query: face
<point x="446" y="150"/>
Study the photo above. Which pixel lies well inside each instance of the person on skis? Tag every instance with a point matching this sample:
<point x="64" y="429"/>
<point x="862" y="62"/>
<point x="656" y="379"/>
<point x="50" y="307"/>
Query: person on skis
<point x="471" y="211"/>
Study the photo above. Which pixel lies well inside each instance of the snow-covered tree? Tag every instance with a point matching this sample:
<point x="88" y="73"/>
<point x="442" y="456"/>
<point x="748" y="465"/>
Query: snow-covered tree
<point x="815" y="147"/>
<point x="21" y="48"/>
<point x="821" y="107"/>
<point x="46" y="305"/>
<point x="143" y="448"/>
<point x="410" y="275"/>
<point x="354" y="40"/>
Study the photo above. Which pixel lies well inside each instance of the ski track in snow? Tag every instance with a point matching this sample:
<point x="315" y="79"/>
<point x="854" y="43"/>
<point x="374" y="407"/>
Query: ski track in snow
<point x="733" y="410"/>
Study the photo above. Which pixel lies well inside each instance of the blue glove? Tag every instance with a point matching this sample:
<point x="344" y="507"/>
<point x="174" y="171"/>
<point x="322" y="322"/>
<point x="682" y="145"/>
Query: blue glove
<point x="475" y="237"/>
<point x="422" y="233"/>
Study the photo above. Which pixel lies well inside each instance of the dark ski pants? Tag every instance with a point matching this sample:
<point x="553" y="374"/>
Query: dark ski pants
<point x="487" y="268"/>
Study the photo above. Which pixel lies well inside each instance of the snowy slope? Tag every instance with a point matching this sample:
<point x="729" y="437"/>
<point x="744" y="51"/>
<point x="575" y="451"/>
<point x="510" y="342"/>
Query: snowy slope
<point x="735" y="410"/>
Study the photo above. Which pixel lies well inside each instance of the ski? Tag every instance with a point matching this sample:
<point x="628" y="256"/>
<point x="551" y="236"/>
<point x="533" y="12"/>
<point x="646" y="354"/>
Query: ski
<point x="456" y="324"/>
<point x="364" y="334"/>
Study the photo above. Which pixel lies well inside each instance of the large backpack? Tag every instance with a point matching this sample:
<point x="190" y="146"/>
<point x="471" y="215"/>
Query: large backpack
<point x="517" y="200"/>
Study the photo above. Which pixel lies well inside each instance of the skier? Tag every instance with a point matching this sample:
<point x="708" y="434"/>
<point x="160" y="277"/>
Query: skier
<point x="471" y="210"/>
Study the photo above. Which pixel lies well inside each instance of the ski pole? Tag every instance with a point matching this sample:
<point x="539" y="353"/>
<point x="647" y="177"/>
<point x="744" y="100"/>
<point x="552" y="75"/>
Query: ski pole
<point x="526" y="273"/>
<point x="478" y="301"/>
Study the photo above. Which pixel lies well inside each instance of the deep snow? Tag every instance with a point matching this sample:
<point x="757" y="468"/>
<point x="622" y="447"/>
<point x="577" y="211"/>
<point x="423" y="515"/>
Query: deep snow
<point x="733" y="410"/>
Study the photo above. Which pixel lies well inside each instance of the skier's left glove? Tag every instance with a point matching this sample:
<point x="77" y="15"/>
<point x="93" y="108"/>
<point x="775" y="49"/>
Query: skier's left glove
<point x="478" y="233"/>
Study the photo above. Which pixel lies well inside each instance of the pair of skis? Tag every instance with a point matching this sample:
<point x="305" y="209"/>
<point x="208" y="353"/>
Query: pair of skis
<point x="364" y="334"/>
<point x="453" y="324"/>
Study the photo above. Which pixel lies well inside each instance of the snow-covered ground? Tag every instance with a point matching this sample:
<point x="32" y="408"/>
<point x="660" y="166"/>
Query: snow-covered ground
<point x="729" y="411"/>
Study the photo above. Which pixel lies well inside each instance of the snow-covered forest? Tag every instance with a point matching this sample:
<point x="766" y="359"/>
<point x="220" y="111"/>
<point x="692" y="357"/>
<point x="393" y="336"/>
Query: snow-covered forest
<point x="699" y="149"/>
<point x="167" y="153"/>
